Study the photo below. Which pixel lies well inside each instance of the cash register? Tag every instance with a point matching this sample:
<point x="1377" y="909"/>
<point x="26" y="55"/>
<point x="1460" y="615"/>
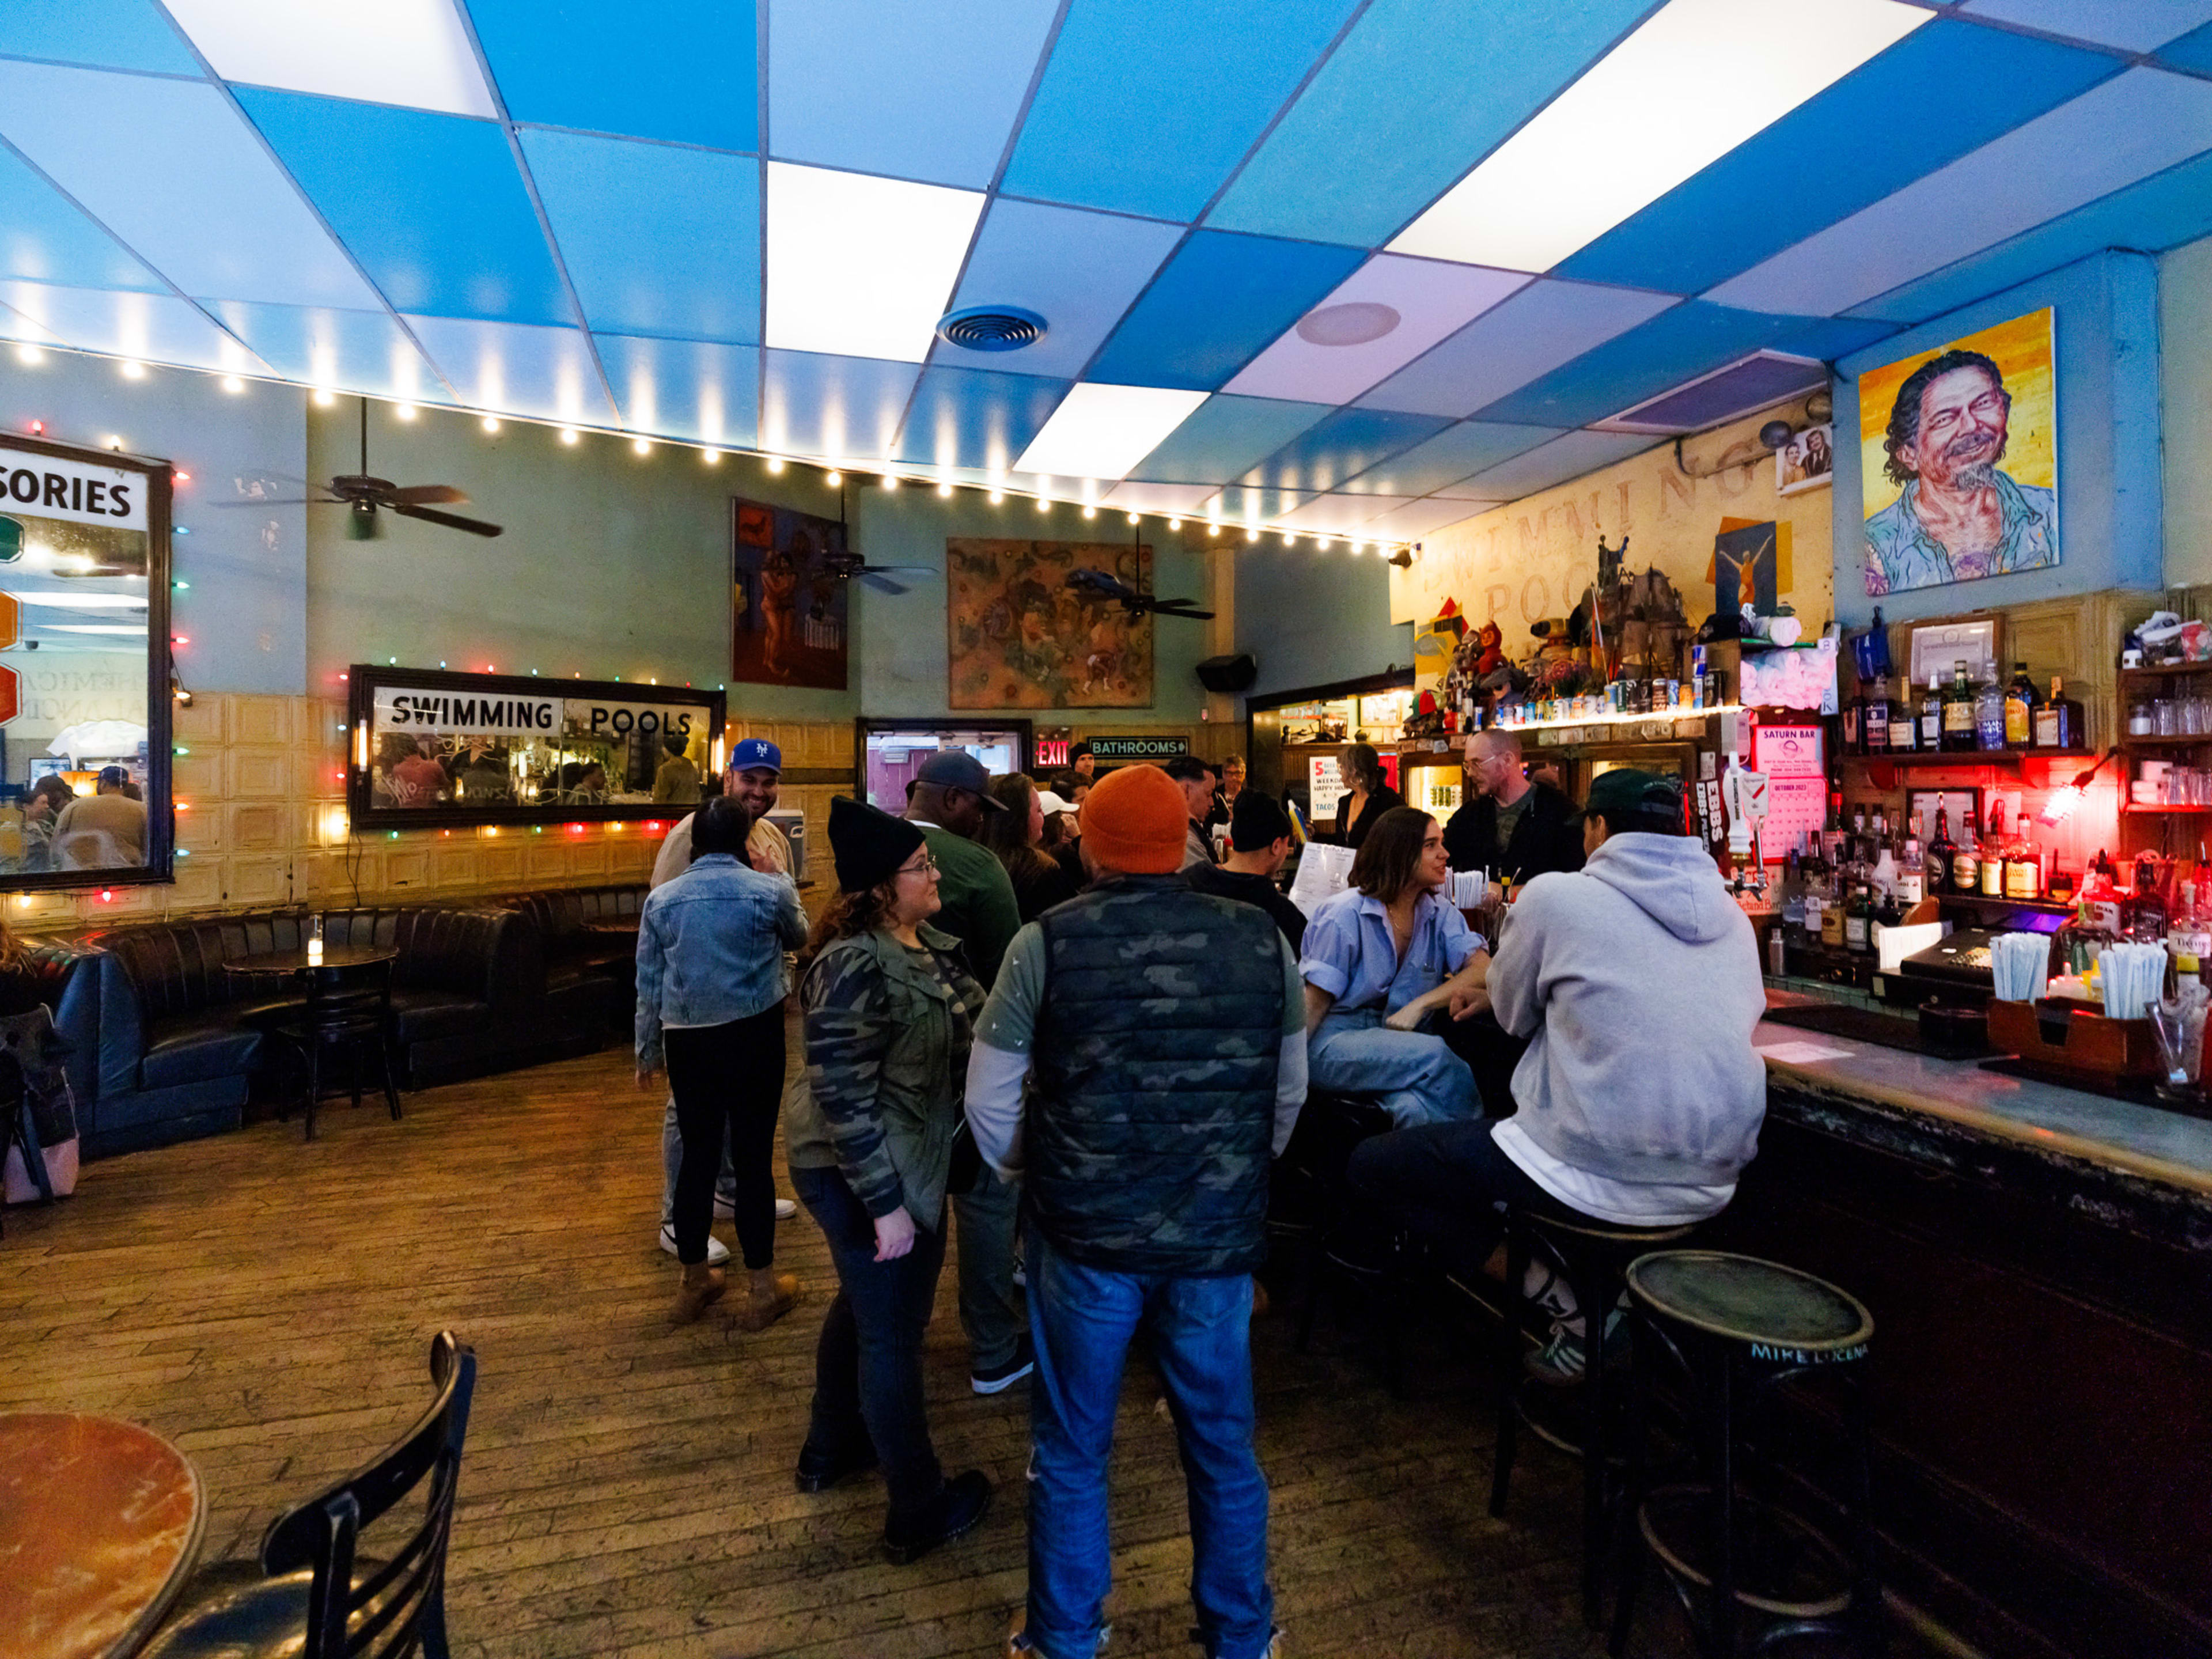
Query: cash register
<point x="1955" y="970"/>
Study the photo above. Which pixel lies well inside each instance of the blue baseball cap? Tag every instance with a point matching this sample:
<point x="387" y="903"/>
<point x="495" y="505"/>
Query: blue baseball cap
<point x="757" y="751"/>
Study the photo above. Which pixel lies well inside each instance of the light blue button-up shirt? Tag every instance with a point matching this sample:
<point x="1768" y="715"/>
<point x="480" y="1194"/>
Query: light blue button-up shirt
<point x="710" y="946"/>
<point x="1349" y="954"/>
<point x="1902" y="554"/>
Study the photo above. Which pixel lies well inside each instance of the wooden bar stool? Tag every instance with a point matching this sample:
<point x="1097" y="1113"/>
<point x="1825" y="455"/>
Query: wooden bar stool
<point x="1735" y="1329"/>
<point x="1595" y="1255"/>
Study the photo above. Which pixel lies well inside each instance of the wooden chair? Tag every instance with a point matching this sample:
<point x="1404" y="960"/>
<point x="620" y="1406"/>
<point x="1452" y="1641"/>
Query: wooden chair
<point x="310" y="1579"/>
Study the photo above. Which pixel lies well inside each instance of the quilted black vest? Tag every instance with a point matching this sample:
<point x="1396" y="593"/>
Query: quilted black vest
<point x="1152" y="1120"/>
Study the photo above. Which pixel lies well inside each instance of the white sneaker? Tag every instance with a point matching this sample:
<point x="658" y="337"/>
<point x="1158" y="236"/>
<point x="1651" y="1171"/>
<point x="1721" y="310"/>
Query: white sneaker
<point x="725" y="1211"/>
<point x="717" y="1252"/>
<point x="785" y="1209"/>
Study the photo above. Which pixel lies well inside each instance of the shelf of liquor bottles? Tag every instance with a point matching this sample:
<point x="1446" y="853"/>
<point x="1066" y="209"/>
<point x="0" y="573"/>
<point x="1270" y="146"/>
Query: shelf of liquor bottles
<point x="2134" y="809"/>
<point x="1977" y="757"/>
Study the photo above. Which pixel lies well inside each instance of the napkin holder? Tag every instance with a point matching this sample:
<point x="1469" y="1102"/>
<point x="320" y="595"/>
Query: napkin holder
<point x="2073" y="1037"/>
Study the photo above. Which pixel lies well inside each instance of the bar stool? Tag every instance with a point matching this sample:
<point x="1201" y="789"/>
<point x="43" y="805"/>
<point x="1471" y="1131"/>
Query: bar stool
<point x="1735" y="1328"/>
<point x="1595" y="1255"/>
<point x="354" y="1022"/>
<point x="1330" y="1129"/>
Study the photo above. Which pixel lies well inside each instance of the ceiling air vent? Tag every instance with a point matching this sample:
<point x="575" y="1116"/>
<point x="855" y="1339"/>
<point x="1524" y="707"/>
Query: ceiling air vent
<point x="1758" y="381"/>
<point x="991" y="328"/>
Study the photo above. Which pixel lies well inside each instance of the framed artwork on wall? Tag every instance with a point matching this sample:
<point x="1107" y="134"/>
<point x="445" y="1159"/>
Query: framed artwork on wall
<point x="1959" y="459"/>
<point x="1806" y="462"/>
<point x="1018" y="637"/>
<point x="788" y="598"/>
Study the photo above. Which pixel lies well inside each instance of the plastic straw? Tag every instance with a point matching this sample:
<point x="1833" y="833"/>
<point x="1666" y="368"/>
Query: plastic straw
<point x="2018" y="964"/>
<point x="2134" y="977"/>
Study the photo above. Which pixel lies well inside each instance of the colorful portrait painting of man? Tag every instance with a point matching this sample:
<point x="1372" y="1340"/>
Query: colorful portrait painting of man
<point x="1958" y="460"/>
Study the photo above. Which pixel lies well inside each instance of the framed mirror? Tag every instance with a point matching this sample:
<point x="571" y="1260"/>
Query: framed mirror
<point x="428" y="749"/>
<point x="85" y="668"/>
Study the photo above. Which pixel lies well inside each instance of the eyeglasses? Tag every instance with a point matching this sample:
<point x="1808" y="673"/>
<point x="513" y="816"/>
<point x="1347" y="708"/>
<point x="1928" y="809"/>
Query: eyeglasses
<point x="927" y="867"/>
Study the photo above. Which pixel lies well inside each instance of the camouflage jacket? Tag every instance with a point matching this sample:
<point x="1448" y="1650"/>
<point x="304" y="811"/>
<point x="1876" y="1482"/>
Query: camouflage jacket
<point x="887" y="1040"/>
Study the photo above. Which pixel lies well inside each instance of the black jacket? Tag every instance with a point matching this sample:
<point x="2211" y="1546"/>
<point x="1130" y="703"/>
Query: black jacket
<point x="1253" y="890"/>
<point x="1380" y="802"/>
<point x="1543" y="839"/>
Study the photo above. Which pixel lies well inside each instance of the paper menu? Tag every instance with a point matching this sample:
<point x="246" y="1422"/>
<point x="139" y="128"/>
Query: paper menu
<point x="1323" y="872"/>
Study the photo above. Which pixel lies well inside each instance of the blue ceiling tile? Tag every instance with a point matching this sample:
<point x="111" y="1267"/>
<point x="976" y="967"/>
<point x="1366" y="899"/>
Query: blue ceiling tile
<point x="685" y="71"/>
<point x="1676" y="346"/>
<point x="154" y="328"/>
<point x="1455" y="453"/>
<point x="1341" y="446"/>
<point x="431" y="204"/>
<point x="1224" y="438"/>
<point x="1076" y="269"/>
<point x="346" y="351"/>
<point x="2161" y="212"/>
<point x="658" y="239"/>
<point x="970" y="417"/>
<point x="1841" y="150"/>
<point x="45" y="237"/>
<point x="1420" y="91"/>
<point x="1831" y="338"/>
<point x="2192" y="52"/>
<point x="839" y="409"/>
<point x="542" y="374"/>
<point x="1558" y="461"/>
<point x="685" y="389"/>
<point x="169" y="168"/>
<point x="1146" y="105"/>
<point x="124" y="34"/>
<point x="928" y="91"/>
<point x="1216" y="305"/>
<point x="1250" y="504"/>
<point x="1544" y="325"/>
<point x="2138" y="26"/>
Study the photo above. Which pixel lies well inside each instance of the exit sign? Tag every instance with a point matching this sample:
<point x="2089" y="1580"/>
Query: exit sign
<point x="1051" y="753"/>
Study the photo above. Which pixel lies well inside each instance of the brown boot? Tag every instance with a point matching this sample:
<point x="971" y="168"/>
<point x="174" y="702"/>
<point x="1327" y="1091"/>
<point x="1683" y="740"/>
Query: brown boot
<point x="774" y="1295"/>
<point x="701" y="1288"/>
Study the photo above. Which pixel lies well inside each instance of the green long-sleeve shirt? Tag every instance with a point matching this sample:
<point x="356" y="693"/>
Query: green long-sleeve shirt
<point x="978" y="900"/>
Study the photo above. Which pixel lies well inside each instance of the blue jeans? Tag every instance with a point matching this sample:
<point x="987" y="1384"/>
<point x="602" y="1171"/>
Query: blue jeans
<point x="867" y="1365"/>
<point x="989" y="1312"/>
<point x="1413" y="1076"/>
<point x="1082" y="1320"/>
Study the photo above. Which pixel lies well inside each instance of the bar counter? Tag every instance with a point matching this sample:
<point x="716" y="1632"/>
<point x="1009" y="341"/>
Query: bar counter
<point x="2039" y="1263"/>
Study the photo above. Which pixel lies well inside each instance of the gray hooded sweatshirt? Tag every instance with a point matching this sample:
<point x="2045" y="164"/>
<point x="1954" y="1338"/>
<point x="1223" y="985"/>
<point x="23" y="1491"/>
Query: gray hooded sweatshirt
<point x="1638" y="978"/>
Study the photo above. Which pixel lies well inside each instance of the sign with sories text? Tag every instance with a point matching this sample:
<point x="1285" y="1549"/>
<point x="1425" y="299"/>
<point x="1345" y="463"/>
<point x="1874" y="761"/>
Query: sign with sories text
<point x="1163" y="746"/>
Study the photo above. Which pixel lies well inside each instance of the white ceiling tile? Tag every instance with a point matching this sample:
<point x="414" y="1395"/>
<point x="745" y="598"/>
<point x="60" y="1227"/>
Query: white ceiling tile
<point x="860" y="266"/>
<point x="414" y="52"/>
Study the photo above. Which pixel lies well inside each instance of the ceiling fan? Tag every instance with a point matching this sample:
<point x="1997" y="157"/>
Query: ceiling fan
<point x="367" y="496"/>
<point x="1099" y="585"/>
<point x="842" y="564"/>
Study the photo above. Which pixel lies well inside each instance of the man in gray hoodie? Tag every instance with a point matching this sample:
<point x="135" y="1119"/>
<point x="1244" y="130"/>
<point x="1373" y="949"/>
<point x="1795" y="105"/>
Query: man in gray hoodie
<point x="1636" y="981"/>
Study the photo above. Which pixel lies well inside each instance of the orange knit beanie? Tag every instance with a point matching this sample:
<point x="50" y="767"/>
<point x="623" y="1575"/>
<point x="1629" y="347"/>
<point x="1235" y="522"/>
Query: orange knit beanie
<point x="1135" y="820"/>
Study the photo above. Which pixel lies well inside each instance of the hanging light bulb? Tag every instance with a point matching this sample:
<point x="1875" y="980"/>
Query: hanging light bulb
<point x="491" y="422"/>
<point x="1090" y="510"/>
<point x="833" y="477"/>
<point x="570" y="435"/>
<point x="997" y="495"/>
<point x="1044" y="503"/>
<point x="774" y="462"/>
<point x="944" y="487"/>
<point x="1174" y="523"/>
<point x="643" y="447"/>
<point x="713" y="458"/>
<point x="134" y="371"/>
<point x="890" y="480"/>
<point x="232" y="383"/>
<point x="28" y="355"/>
<point x="1252" y="534"/>
<point x="404" y="411"/>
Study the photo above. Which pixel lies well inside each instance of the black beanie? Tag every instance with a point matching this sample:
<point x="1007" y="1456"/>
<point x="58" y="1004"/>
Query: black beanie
<point x="868" y="843"/>
<point x="1256" y="823"/>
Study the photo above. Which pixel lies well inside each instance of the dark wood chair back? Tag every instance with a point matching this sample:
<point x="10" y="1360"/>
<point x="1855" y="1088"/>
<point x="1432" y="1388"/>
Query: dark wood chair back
<point x="402" y="1604"/>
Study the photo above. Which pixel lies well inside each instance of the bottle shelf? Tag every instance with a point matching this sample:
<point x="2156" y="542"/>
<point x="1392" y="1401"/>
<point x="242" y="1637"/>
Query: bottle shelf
<point x="1978" y="757"/>
<point x="2159" y="673"/>
<point x="2193" y="740"/>
<point x="2132" y="809"/>
<point x="1983" y="902"/>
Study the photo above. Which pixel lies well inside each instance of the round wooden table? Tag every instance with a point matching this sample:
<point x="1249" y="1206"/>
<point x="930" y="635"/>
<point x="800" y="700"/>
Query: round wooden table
<point x="334" y="957"/>
<point x="101" y="1524"/>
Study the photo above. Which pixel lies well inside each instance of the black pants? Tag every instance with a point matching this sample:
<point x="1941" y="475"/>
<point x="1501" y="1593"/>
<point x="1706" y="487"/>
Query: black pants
<point x="1491" y="1052"/>
<point x="1448" y="1183"/>
<point x="867" y="1365"/>
<point x="726" y="1078"/>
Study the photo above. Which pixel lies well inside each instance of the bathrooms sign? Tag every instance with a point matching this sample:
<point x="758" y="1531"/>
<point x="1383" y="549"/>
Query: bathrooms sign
<point x="432" y="713"/>
<point x="1163" y="747"/>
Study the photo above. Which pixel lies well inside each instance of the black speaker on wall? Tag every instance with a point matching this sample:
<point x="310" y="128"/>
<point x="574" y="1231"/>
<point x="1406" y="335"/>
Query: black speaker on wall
<point x="1228" y="673"/>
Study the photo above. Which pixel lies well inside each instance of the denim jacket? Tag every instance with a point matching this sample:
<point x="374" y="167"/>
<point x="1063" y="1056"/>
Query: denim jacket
<point x="710" y="948"/>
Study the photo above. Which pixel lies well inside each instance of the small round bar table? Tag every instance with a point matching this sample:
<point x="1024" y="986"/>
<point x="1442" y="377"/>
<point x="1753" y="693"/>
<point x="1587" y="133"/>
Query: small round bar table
<point x="101" y="1524"/>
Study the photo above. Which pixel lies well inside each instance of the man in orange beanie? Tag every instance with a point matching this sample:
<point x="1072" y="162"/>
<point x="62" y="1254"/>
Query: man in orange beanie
<point x="1159" y="1032"/>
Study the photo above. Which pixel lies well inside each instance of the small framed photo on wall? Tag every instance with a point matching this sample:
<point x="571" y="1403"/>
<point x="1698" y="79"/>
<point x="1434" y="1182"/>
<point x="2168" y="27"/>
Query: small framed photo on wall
<point x="1806" y="462"/>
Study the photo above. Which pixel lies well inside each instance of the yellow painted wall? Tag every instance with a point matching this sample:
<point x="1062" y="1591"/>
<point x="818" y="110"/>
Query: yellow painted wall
<point x="1533" y="557"/>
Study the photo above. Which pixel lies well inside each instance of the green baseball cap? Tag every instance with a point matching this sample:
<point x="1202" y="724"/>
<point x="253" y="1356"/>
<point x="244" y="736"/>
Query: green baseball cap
<point x="1629" y="799"/>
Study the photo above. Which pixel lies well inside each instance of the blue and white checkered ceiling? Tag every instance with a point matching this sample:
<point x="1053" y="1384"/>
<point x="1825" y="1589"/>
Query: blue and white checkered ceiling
<point x="1350" y="266"/>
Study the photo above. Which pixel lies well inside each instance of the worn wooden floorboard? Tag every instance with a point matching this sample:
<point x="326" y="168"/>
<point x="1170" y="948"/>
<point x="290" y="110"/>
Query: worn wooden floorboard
<point x="268" y="1303"/>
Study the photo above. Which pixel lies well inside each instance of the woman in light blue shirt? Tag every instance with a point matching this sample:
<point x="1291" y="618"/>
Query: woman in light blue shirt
<point x="1378" y="959"/>
<point x="710" y="990"/>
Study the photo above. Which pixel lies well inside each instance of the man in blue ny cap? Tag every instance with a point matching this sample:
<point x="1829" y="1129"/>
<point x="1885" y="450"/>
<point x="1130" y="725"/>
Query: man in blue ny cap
<point x="752" y="779"/>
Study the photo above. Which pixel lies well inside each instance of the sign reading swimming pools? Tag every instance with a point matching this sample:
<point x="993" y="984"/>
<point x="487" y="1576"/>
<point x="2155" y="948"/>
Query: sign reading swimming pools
<point x="500" y="714"/>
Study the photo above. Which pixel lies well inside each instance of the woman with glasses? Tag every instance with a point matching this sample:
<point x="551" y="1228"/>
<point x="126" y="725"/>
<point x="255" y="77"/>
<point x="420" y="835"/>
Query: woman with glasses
<point x="710" y="994"/>
<point x="889" y="1012"/>
<point x="1378" y="959"/>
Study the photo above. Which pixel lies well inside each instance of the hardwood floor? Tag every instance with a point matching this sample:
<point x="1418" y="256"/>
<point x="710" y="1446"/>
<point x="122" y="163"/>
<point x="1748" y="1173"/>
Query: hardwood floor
<point x="267" y="1304"/>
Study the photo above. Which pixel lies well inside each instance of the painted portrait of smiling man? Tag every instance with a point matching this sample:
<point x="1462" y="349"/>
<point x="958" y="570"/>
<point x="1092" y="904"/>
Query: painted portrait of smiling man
<point x="1958" y="459"/>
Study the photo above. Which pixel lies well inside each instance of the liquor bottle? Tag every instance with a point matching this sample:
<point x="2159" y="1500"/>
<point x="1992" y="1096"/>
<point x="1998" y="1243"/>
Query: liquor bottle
<point x="2059" y="722"/>
<point x="1957" y="730"/>
<point x="2146" y="915"/>
<point x="2023" y="866"/>
<point x="1856" y="912"/>
<point x="1911" y="874"/>
<point x="2100" y="897"/>
<point x="1989" y="715"/>
<point x="2189" y="938"/>
<point x="1967" y="858"/>
<point x="2059" y="883"/>
<point x="1940" y="852"/>
<point x="1904" y="722"/>
<point x="2021" y="702"/>
<point x="1994" y="848"/>
<point x="1854" y="708"/>
<point x="1874" y="717"/>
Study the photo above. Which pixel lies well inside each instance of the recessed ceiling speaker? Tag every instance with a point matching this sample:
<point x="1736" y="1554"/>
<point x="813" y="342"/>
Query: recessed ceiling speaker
<point x="1234" y="673"/>
<point x="991" y="328"/>
<point x="1354" y="323"/>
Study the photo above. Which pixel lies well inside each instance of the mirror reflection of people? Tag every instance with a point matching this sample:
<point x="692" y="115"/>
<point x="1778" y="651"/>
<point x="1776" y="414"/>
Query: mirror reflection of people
<point x="48" y="796"/>
<point x="418" y="780"/>
<point x="102" y="830"/>
<point x="676" y="782"/>
<point x="583" y="783"/>
<point x="1957" y="516"/>
<point x="483" y="775"/>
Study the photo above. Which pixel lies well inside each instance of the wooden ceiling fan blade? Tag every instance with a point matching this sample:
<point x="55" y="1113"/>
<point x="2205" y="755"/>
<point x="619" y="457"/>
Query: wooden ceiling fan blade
<point x="427" y="494"/>
<point x="451" y="520"/>
<point x="284" y="501"/>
